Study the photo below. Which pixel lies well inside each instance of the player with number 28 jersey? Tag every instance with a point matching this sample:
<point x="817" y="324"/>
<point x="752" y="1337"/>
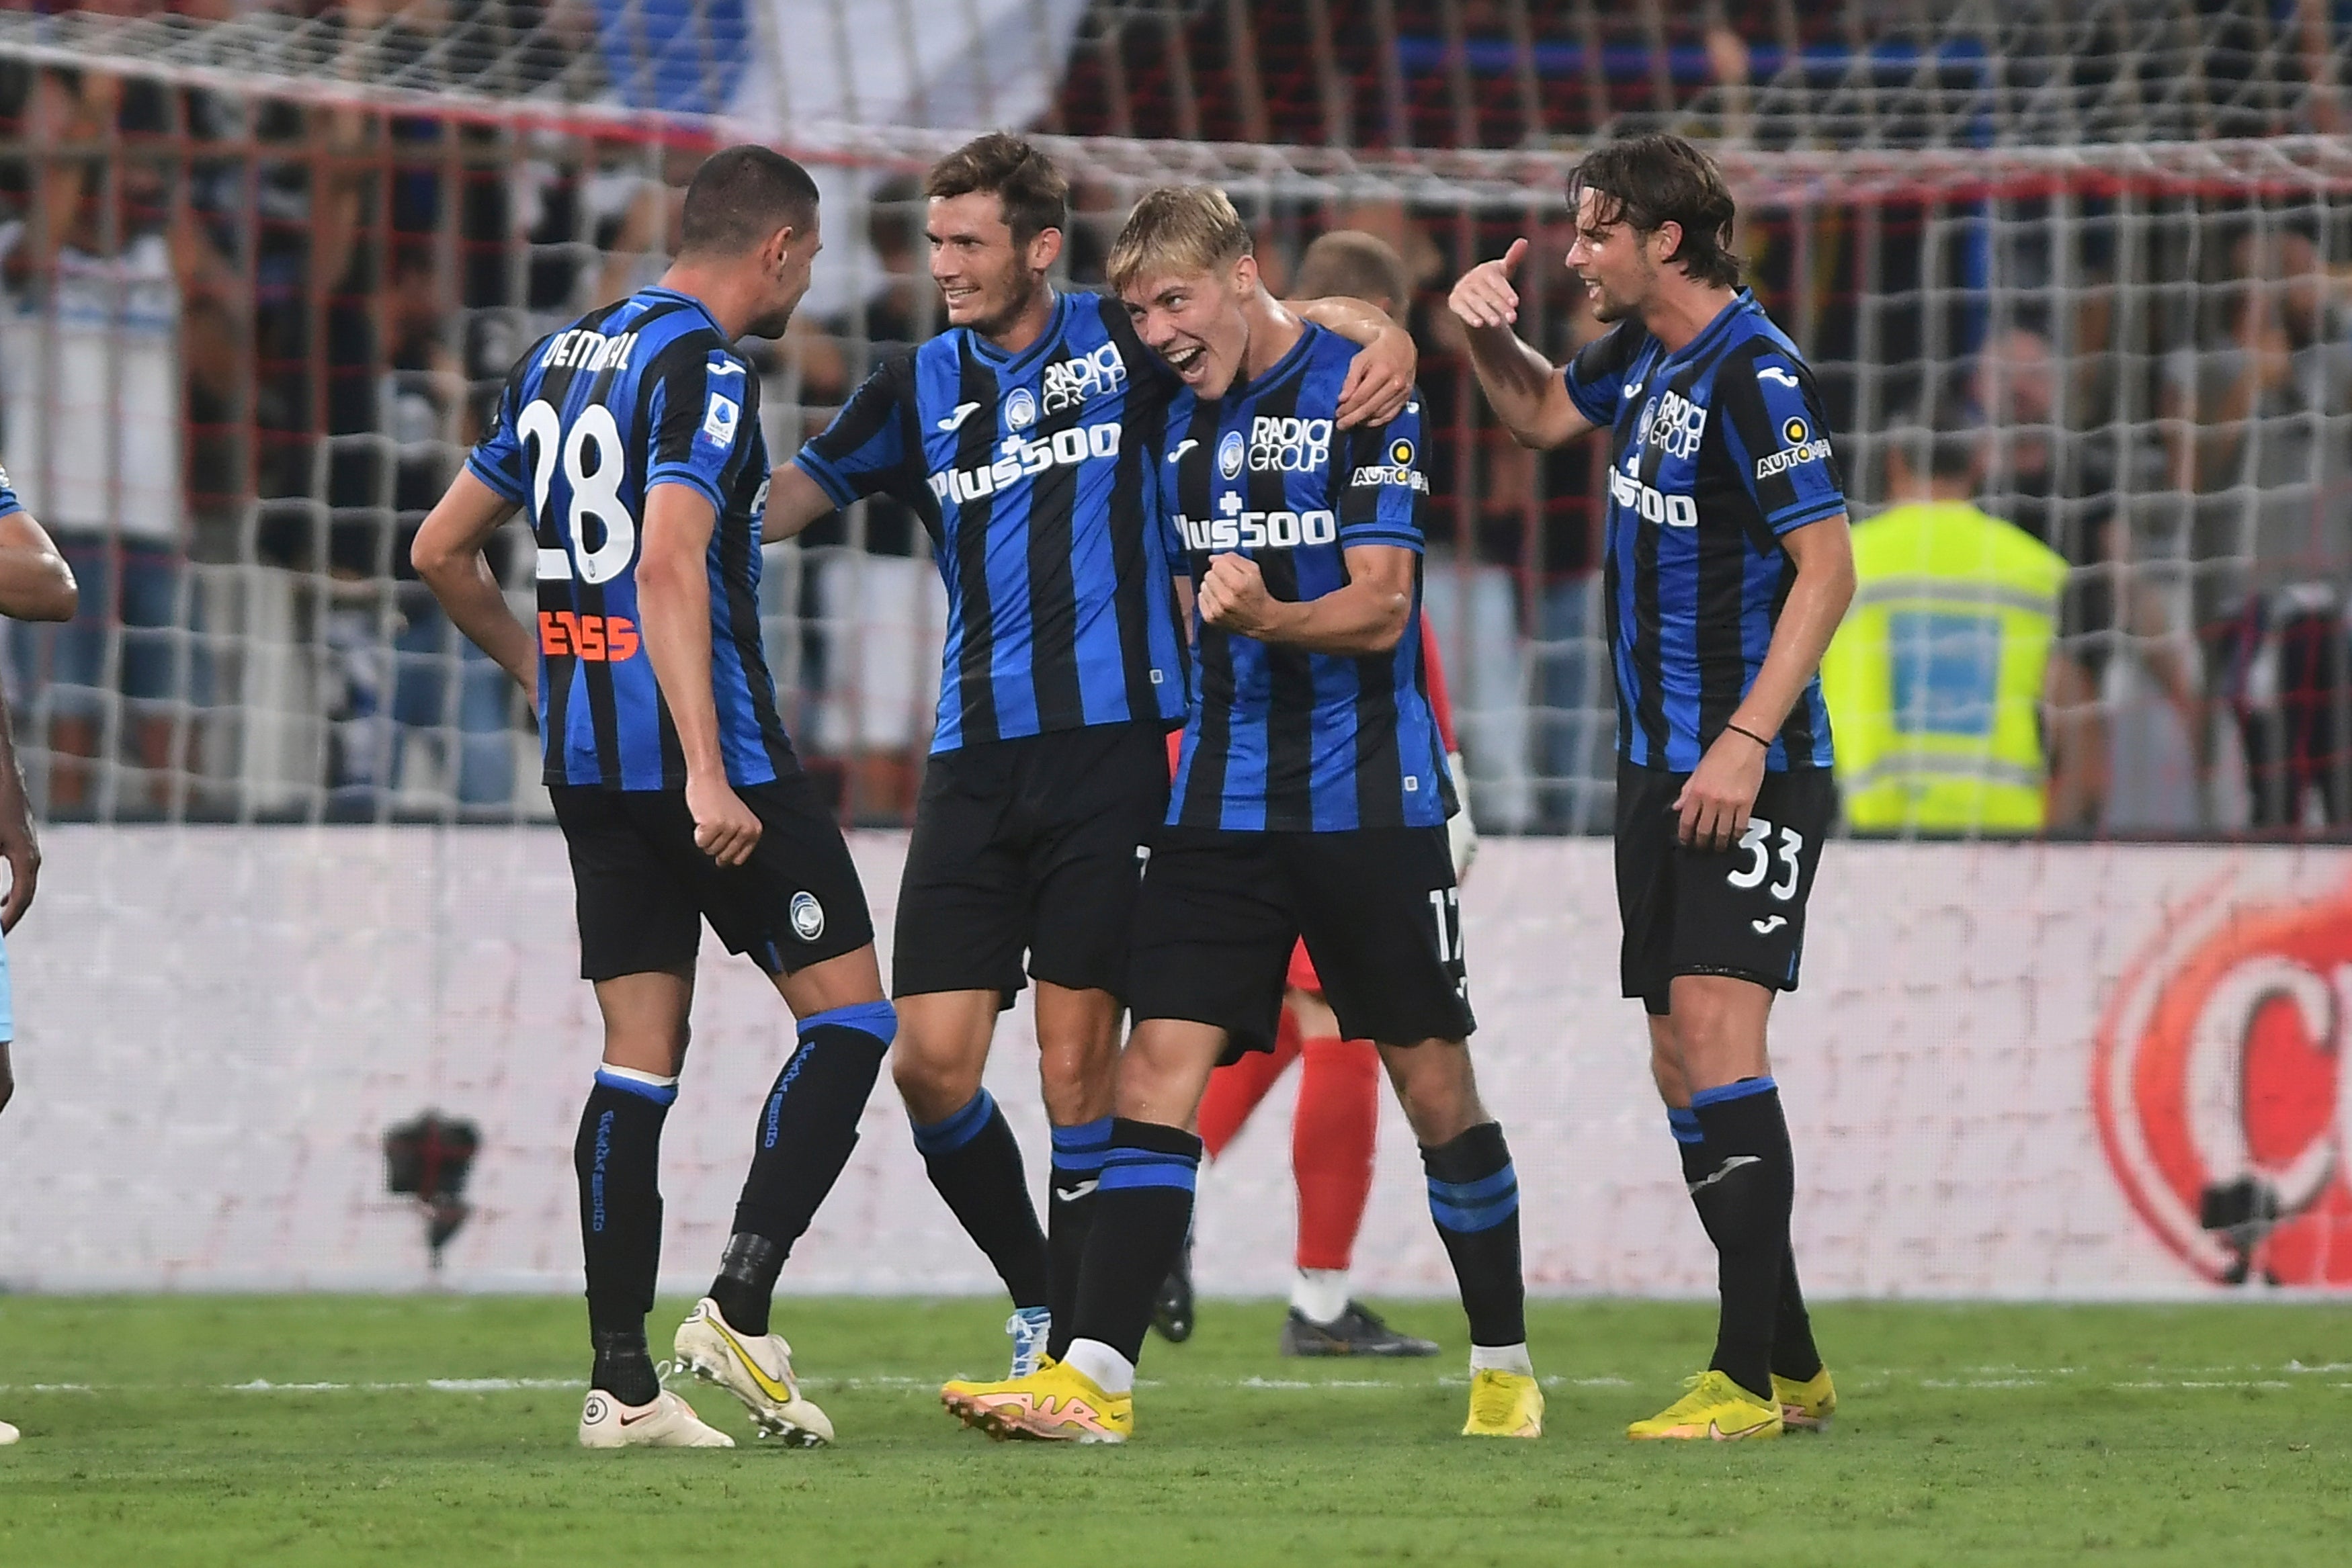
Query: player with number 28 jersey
<point x="631" y="441"/>
<point x="644" y="392"/>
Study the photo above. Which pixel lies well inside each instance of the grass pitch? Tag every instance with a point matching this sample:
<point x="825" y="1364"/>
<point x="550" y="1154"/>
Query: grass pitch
<point x="438" y="1431"/>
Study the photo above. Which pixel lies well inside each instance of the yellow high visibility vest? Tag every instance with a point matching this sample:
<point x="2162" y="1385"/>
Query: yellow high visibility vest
<point x="1934" y="682"/>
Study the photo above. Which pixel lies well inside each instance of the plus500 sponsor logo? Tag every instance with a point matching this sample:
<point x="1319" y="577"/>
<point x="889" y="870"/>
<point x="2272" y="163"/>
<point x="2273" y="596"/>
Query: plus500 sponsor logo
<point x="1289" y="445"/>
<point x="1654" y="504"/>
<point x="1065" y="449"/>
<point x="1259" y="531"/>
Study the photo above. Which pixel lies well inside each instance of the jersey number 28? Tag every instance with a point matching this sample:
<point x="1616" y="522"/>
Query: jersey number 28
<point x="595" y="491"/>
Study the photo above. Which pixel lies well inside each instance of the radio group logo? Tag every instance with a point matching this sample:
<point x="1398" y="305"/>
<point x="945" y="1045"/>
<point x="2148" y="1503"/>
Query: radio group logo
<point x="2222" y="1092"/>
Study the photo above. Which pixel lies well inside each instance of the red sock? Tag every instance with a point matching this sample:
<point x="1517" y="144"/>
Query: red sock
<point x="1235" y="1091"/>
<point x="1331" y="1140"/>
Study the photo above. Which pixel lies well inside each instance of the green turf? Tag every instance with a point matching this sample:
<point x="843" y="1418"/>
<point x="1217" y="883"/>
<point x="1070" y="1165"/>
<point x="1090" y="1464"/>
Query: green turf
<point x="1970" y="1435"/>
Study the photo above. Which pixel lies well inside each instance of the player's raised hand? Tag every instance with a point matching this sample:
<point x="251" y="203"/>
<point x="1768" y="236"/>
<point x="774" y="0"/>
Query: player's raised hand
<point x="724" y="828"/>
<point x="1234" y="596"/>
<point x="1380" y="380"/>
<point x="1484" y="297"/>
<point x="1712" y="810"/>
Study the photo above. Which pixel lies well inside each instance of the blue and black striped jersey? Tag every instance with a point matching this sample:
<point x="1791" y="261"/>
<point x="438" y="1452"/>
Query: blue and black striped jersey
<point x="1716" y="452"/>
<point x="643" y="393"/>
<point x="1032" y="474"/>
<point x="1283" y="739"/>
<point x="8" y="502"/>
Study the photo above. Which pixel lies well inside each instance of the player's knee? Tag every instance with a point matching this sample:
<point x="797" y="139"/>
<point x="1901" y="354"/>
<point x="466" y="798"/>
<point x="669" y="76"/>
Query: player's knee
<point x="1436" y="1088"/>
<point x="935" y="1084"/>
<point x="1076" y="1085"/>
<point x="1165" y="1069"/>
<point x="1718" y="1029"/>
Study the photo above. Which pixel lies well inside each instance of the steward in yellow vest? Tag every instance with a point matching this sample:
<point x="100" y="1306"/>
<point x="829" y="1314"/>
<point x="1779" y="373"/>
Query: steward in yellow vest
<point x="1937" y="678"/>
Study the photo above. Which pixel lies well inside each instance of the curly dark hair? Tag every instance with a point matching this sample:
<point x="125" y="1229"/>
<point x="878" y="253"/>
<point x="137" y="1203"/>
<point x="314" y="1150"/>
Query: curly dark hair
<point x="1649" y="182"/>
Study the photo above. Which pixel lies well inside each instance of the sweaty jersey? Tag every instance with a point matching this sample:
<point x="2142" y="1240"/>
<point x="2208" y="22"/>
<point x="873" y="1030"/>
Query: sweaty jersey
<point x="639" y="394"/>
<point x="1283" y="739"/>
<point x="1032" y="474"/>
<point x="1716" y="451"/>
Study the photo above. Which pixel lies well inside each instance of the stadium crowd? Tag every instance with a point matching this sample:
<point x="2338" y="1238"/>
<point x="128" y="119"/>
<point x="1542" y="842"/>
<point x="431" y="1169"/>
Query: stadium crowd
<point x="247" y="340"/>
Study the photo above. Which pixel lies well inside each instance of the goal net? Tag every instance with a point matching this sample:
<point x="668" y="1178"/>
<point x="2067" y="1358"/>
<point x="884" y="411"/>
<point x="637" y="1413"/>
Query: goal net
<point x="265" y="266"/>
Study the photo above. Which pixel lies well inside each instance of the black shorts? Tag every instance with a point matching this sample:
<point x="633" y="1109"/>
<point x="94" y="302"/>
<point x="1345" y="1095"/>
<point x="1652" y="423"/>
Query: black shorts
<point x="1028" y="845"/>
<point x="1377" y="907"/>
<point x="1738" y="912"/>
<point x="644" y="889"/>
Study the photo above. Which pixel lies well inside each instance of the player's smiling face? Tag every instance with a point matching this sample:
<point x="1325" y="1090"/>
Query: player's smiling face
<point x="1612" y="257"/>
<point x="1195" y="322"/>
<point x="985" y="278"/>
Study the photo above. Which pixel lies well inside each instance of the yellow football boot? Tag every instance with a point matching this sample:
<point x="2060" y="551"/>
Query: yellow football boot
<point x="1504" y="1405"/>
<point x="1057" y="1404"/>
<point x="1806" y="1407"/>
<point x="1714" y="1408"/>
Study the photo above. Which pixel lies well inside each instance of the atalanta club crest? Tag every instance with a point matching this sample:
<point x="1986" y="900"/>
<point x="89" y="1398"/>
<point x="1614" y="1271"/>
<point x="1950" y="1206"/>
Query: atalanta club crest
<point x="807" y="916"/>
<point x="2221" y="1088"/>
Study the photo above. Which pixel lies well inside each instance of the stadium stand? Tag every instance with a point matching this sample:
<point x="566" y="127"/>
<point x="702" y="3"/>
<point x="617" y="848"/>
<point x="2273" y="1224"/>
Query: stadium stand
<point x="2112" y="234"/>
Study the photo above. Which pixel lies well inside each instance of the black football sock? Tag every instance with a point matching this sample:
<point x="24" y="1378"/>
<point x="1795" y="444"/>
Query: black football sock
<point x="975" y="1162"/>
<point x="1473" y="1195"/>
<point x="1745" y="1202"/>
<point x="1143" y="1207"/>
<point x="1794" y="1356"/>
<point x="1078" y="1169"/>
<point x="807" y="1127"/>
<point x="618" y="1157"/>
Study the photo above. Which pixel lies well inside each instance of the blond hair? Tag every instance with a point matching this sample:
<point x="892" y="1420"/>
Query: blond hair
<point x="1183" y="230"/>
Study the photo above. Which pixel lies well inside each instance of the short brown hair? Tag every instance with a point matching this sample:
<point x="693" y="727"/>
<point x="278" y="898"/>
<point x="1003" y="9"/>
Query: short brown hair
<point x="1649" y="182"/>
<point x="1357" y="264"/>
<point x="1032" y="191"/>
<point x="1178" y="228"/>
<point x="740" y="196"/>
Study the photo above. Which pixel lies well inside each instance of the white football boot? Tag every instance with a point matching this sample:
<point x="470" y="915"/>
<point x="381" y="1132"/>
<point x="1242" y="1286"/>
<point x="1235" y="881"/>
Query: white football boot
<point x="757" y="1370"/>
<point x="7" y="1434"/>
<point x="668" y="1422"/>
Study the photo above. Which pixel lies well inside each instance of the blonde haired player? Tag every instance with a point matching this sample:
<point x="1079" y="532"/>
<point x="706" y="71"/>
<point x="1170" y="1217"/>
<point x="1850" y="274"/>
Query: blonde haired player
<point x="1310" y="802"/>
<point x="1335" y="1124"/>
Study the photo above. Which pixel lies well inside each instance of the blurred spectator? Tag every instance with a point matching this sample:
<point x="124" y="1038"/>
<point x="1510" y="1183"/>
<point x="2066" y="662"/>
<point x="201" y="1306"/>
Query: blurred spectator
<point x="95" y="282"/>
<point x="870" y="604"/>
<point x="1576" y="734"/>
<point x="2259" y="430"/>
<point x="2062" y="483"/>
<point x="2256" y="426"/>
<point x="1483" y="488"/>
<point x="1956" y="710"/>
<point x="2052" y="479"/>
<point x="439" y="678"/>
